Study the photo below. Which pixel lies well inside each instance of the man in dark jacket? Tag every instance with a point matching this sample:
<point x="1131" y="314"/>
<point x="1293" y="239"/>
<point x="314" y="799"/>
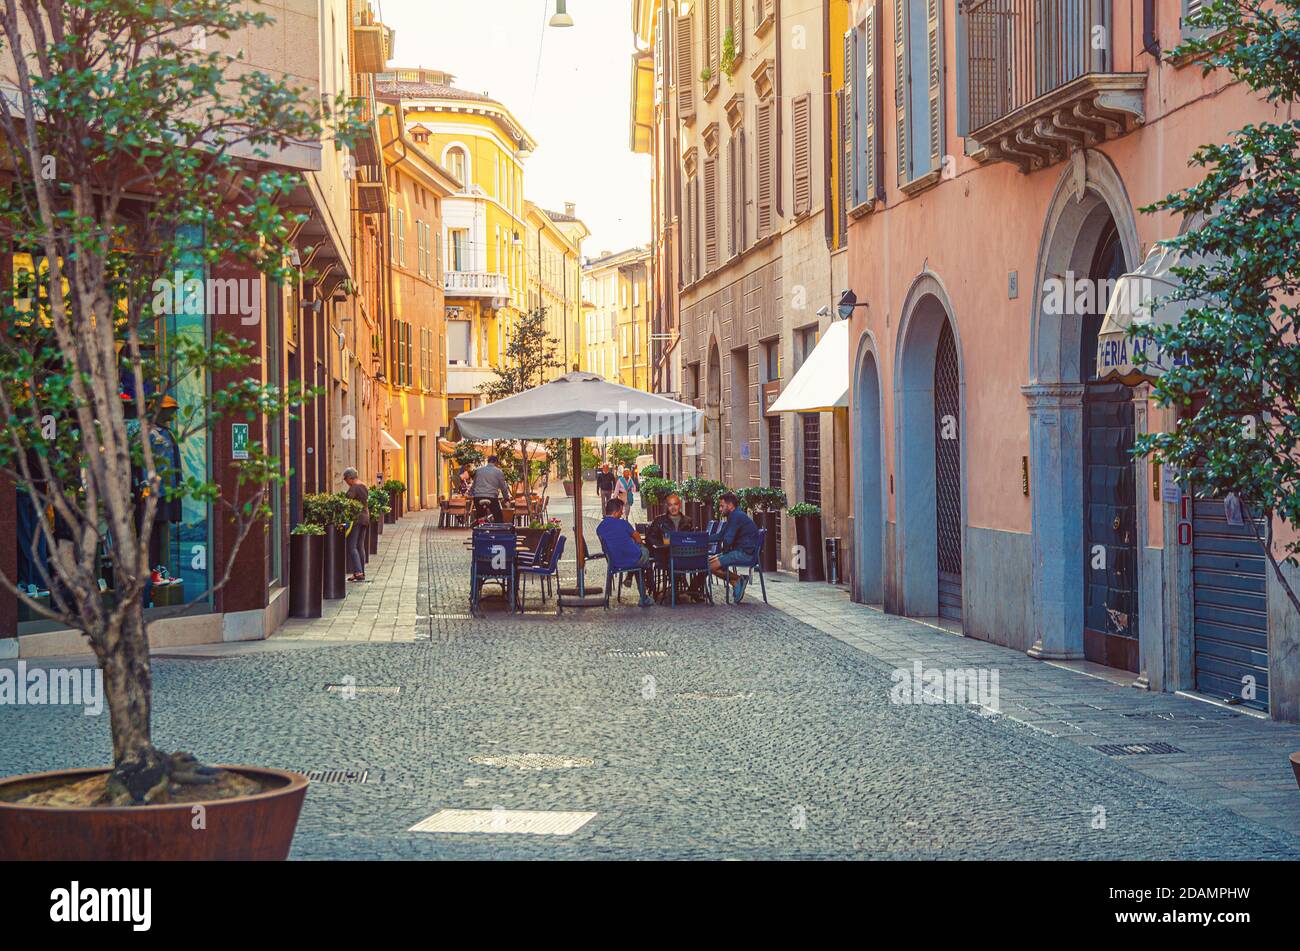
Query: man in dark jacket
<point x="739" y="545"/>
<point x="605" y="482"/>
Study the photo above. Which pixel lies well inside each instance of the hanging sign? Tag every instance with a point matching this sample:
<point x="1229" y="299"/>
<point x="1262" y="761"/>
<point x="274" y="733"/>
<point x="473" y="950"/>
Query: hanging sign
<point x="239" y="440"/>
<point x="1170" y="490"/>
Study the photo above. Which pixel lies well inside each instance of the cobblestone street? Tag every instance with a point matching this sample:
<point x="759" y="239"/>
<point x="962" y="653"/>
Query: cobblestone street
<point x="736" y="732"/>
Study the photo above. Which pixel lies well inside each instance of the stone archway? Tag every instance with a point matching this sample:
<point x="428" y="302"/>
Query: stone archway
<point x="868" y="478"/>
<point x="1089" y="201"/>
<point x="713" y="413"/>
<point x="930" y="484"/>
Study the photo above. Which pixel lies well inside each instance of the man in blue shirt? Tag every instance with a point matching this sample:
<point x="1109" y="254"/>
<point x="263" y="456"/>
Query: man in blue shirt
<point x="622" y="545"/>
<point x="739" y="545"/>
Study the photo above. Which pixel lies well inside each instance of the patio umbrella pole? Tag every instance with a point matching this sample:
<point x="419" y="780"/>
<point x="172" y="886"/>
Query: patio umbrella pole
<point x="575" y="446"/>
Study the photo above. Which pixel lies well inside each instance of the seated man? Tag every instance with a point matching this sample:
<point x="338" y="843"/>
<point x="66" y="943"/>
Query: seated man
<point x="623" y="546"/>
<point x="674" y="520"/>
<point x="739" y="545"/>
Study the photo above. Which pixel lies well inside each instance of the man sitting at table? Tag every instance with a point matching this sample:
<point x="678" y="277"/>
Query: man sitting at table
<point x="623" y="546"/>
<point x="489" y="486"/>
<point x="739" y="545"/>
<point x="674" y="520"/>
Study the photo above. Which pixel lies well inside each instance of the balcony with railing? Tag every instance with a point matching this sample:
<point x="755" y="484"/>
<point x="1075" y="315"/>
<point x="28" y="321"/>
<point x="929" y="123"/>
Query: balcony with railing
<point x="476" y="284"/>
<point x="1044" y="79"/>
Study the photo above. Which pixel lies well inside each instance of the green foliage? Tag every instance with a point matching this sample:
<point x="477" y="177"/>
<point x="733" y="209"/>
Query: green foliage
<point x="730" y="61"/>
<point x="467" y="453"/>
<point x="530" y="357"/>
<point x="378" y="502"/>
<point x="705" y="491"/>
<point x="622" y="453"/>
<point x="590" y="460"/>
<point x="308" y="528"/>
<point x="560" y="452"/>
<point x="652" y="471"/>
<point x="655" y="490"/>
<point x="1236" y="341"/>
<point x="804" y="509"/>
<point x="761" y="498"/>
<point x="394" y="486"/>
<point x="330" y="508"/>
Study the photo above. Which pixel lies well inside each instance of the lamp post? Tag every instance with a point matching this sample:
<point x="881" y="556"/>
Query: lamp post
<point x="561" y="17"/>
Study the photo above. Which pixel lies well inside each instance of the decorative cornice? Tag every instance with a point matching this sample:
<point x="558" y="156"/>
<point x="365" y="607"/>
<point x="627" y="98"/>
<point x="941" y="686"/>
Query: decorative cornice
<point x="764" y="78"/>
<point x="711" y="138"/>
<point x="736" y="110"/>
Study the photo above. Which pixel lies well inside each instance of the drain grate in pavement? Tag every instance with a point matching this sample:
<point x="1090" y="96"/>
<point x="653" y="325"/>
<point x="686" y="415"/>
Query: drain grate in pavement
<point x="445" y="617"/>
<point x="338" y="777"/>
<point x="1136" y="749"/>
<point x="531" y="761"/>
<point x="712" y="695"/>
<point x="631" y="653"/>
<point x="504" y="821"/>
<point x="358" y="689"/>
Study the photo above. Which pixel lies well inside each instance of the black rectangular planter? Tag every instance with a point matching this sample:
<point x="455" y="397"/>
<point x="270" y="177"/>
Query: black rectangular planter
<point x="808" y="533"/>
<point x="305" y="575"/>
<point x="768" y="521"/>
<point x="335" y="584"/>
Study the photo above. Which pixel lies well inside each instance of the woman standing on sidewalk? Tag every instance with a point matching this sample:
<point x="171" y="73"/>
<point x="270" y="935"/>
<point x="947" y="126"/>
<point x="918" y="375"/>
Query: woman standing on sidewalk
<point x="626" y="490"/>
<point x="360" y="527"/>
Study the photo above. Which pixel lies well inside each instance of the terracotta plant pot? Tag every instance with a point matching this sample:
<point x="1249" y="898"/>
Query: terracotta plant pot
<point x="256" y="828"/>
<point x="568" y="487"/>
<point x="336" y="563"/>
<point x="306" y="573"/>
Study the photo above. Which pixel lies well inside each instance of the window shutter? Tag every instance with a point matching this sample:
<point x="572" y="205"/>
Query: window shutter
<point x="901" y="88"/>
<point x="801" y="125"/>
<point x="742" y="171"/>
<point x="714" y="41"/>
<point x="769" y="8"/>
<point x="685" y="71"/>
<point x="1190" y="9"/>
<point x="934" y="69"/>
<point x="866" y="99"/>
<point x="849" y="121"/>
<point x="841" y="123"/>
<point x="738" y="25"/>
<point x="733" y="180"/>
<point x="710" y="213"/>
<point x="763" y="155"/>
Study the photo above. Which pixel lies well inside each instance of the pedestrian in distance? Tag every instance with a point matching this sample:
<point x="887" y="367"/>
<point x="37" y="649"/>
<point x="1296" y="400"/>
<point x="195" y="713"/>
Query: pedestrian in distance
<point x="605" y="485"/>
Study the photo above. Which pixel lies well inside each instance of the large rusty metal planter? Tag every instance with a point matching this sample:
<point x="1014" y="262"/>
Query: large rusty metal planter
<point x="248" y="828"/>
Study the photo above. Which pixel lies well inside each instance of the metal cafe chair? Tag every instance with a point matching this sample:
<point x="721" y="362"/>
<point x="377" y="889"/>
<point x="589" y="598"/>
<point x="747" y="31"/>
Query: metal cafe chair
<point x="756" y="565"/>
<point x="688" y="554"/>
<point x="493" y="559"/>
<point x="548" y="572"/>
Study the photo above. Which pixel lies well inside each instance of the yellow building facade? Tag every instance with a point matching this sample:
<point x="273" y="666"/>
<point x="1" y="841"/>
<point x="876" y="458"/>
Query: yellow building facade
<point x="553" y="255"/>
<point x="618" y="316"/>
<point x="483" y="236"/>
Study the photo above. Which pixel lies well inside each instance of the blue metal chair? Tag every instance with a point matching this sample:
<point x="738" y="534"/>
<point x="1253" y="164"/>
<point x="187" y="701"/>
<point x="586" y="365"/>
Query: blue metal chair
<point x="493" y="560"/>
<point x="613" y="571"/>
<point x="688" y="554"/>
<point x="756" y="565"/>
<point x="548" y="572"/>
<point x="540" y="554"/>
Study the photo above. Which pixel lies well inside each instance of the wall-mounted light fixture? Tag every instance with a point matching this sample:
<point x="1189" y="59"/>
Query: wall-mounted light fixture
<point x="561" y="17"/>
<point x="848" y="301"/>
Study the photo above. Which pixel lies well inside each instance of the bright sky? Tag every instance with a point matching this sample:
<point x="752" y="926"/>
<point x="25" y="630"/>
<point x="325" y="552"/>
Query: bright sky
<point x="569" y="87"/>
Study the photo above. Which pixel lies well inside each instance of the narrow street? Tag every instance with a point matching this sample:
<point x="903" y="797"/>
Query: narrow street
<point x="701" y="732"/>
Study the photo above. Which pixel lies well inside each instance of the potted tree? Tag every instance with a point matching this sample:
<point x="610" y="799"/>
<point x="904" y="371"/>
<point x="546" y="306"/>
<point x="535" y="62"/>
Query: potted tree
<point x="655" y="492"/>
<point x="396" y="489"/>
<point x="306" y="573"/>
<point x="706" y="494"/>
<point x="808" y="536"/>
<point x="170" y="174"/>
<point x="333" y="511"/>
<point x="379" y="507"/>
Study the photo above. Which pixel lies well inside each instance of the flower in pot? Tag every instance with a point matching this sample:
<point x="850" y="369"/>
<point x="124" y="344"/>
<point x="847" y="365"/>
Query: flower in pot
<point x="707" y="492"/>
<point x="808" y="541"/>
<point x="395" y="489"/>
<point x="764" y="504"/>
<point x="82" y="349"/>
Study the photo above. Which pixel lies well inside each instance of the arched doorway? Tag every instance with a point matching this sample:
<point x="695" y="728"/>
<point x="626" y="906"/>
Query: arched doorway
<point x="868" y="484"/>
<point x="929" y="426"/>
<point x="1086" y="498"/>
<point x="713" y="414"/>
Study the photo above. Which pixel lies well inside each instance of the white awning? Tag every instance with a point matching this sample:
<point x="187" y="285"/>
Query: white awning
<point x="388" y="442"/>
<point x="822" y="383"/>
<point x="1136" y="300"/>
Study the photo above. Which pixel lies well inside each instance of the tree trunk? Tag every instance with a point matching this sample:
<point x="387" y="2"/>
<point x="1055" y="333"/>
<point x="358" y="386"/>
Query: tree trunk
<point x="139" y="770"/>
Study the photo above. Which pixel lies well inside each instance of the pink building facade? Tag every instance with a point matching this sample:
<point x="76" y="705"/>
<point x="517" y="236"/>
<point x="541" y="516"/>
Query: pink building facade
<point x="1001" y="154"/>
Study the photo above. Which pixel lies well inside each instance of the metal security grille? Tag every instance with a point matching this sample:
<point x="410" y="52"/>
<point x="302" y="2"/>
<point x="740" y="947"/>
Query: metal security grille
<point x="774" y="464"/>
<point x="812" y="458"/>
<point x="947" y="464"/>
<point x="1136" y="749"/>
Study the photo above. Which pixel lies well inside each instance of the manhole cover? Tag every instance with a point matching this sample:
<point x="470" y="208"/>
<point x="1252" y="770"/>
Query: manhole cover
<point x="712" y="695"/>
<point x="628" y="653"/>
<point x="505" y="821"/>
<point x="343" y="777"/>
<point x="1136" y="749"/>
<point x="359" y="689"/>
<point x="531" y="761"/>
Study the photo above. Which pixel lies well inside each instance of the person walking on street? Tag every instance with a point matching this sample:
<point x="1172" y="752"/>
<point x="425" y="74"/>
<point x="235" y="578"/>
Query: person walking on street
<point x="739" y="545"/>
<point x="359" y="530"/>
<point x="490" y="486"/>
<point x="605" y="485"/>
<point x="626" y="490"/>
